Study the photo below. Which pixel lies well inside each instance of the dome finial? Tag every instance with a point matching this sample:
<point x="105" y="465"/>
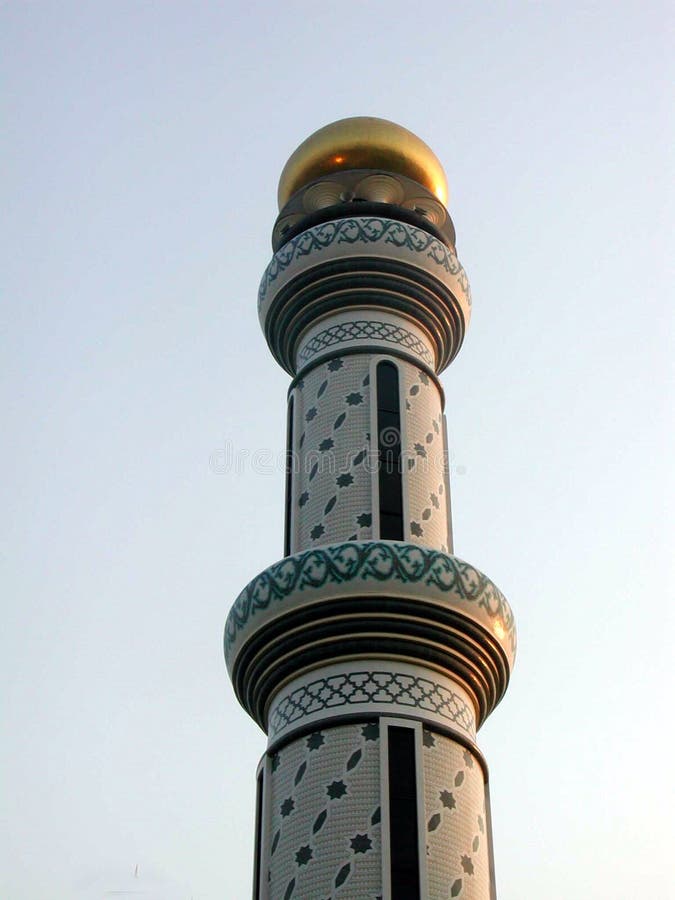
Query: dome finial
<point x="362" y="142"/>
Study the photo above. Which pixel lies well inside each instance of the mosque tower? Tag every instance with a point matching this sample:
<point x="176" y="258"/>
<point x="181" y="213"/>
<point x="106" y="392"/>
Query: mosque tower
<point x="369" y="654"/>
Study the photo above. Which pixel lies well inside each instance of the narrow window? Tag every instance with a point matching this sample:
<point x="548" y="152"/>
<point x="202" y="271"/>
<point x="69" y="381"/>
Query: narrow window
<point x="258" y="835"/>
<point x="403" y="836"/>
<point x="446" y="481"/>
<point x="289" y="481"/>
<point x="389" y="452"/>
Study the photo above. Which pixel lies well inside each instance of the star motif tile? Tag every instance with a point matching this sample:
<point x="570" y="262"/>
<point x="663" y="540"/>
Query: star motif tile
<point x="287" y="807"/>
<point x="315" y="740"/>
<point x="447" y="799"/>
<point x="336" y="790"/>
<point x="361" y="843"/>
<point x="304" y="854"/>
<point x="371" y="731"/>
<point x="428" y="739"/>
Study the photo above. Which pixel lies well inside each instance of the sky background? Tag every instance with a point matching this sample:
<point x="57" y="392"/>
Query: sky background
<point x="142" y="148"/>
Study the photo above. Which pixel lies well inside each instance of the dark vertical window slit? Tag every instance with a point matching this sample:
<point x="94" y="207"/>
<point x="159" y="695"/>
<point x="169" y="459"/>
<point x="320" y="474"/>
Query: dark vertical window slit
<point x="258" y="836"/>
<point x="289" y="481"/>
<point x="403" y="824"/>
<point x="389" y="452"/>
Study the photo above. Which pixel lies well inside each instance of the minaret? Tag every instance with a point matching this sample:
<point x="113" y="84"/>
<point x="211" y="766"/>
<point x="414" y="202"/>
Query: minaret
<point x="369" y="654"/>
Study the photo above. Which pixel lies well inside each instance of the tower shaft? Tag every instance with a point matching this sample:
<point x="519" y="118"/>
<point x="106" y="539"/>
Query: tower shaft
<point x="369" y="653"/>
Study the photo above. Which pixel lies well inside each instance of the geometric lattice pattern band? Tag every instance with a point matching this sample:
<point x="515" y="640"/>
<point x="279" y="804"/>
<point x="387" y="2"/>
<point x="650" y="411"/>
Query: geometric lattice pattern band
<point x="344" y="692"/>
<point x="366" y="330"/>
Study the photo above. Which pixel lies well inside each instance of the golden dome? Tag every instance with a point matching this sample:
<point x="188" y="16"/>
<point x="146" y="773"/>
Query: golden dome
<point x="362" y="142"/>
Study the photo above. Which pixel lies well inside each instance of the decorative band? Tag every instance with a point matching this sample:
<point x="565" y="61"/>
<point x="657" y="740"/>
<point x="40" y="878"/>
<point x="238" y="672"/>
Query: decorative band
<point x="365" y="330"/>
<point x="370" y="692"/>
<point x="371" y="561"/>
<point x="364" y="231"/>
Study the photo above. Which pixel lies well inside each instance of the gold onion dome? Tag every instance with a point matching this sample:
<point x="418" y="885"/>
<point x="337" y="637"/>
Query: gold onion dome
<point x="362" y="142"/>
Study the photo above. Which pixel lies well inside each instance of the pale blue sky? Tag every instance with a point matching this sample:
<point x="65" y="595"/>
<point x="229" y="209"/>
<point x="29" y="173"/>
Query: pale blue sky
<point x="143" y="143"/>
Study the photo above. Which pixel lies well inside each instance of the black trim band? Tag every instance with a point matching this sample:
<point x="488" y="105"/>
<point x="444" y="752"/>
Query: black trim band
<point x="332" y="630"/>
<point x="361" y="282"/>
<point x="359" y="208"/>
